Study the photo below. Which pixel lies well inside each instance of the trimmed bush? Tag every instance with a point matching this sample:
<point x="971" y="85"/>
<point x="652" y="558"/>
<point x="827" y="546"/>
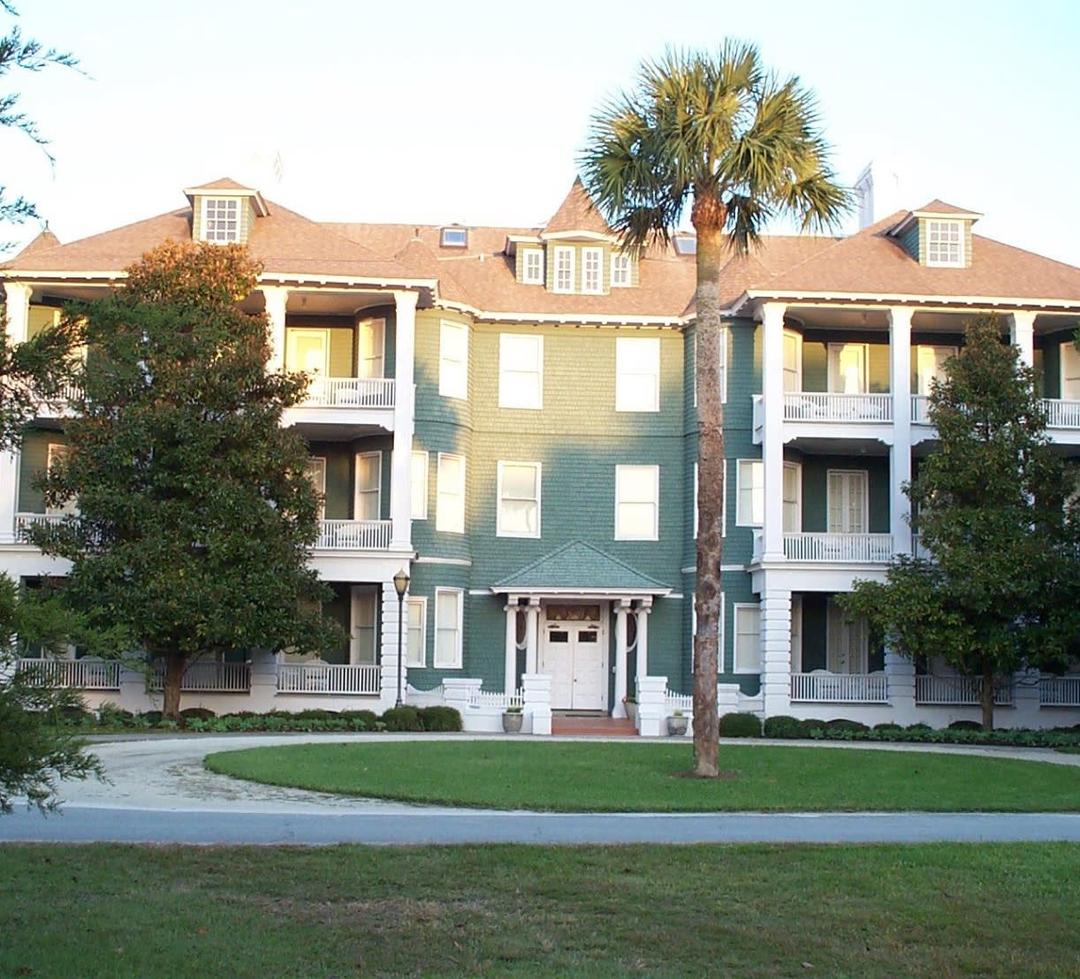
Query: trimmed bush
<point x="919" y="727"/>
<point x="360" y="720"/>
<point x="783" y="726"/>
<point x="843" y="724"/>
<point x="402" y="719"/>
<point x="152" y="717"/>
<point x="887" y="727"/>
<point x="740" y="725"/>
<point x="315" y="714"/>
<point x="965" y="726"/>
<point x="439" y="719"/>
<point x="197" y="713"/>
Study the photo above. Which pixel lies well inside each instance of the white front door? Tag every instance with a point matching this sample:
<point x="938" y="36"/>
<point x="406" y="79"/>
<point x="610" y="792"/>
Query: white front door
<point x="573" y="655"/>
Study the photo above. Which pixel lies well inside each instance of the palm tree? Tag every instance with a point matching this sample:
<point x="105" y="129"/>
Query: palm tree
<point x="742" y="147"/>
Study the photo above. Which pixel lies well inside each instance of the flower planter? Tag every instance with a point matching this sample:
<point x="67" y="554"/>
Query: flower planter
<point x="631" y="710"/>
<point x="512" y="721"/>
<point x="676" y="726"/>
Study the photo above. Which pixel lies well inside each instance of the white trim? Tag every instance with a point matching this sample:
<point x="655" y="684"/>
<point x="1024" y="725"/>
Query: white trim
<point x="358" y="594"/>
<point x="741" y="519"/>
<point x="798" y="358"/>
<point x="574" y="234"/>
<point x="598" y="253"/>
<point x="357" y="492"/>
<point x="212" y="197"/>
<point x="538" y="280"/>
<point x="560" y="251"/>
<point x="369" y="322"/>
<point x="499" y="467"/>
<point x="864" y="478"/>
<point x="946" y="224"/>
<point x="877" y="300"/>
<point x="421" y="601"/>
<point x="508" y="389"/>
<point x="723" y="567"/>
<point x="440" y="522"/>
<point x="454" y="229"/>
<point x="614" y="593"/>
<point x="416" y="484"/>
<point x="795" y="467"/>
<point x="450" y="384"/>
<point x="456" y="664"/>
<point x="62" y="450"/>
<point x="627" y="383"/>
<point x="655" y="501"/>
<point x="736" y="608"/>
<point x="457" y="562"/>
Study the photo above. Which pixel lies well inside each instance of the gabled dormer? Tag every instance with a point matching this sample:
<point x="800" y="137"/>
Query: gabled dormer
<point x="224" y="211"/>
<point x="938" y="235"/>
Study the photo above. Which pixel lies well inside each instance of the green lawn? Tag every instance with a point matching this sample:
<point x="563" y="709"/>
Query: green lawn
<point x="614" y="777"/>
<point x="881" y="911"/>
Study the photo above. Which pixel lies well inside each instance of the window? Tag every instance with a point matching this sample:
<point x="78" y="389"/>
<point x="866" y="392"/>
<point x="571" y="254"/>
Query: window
<point x="848" y="501"/>
<point x="621" y="270"/>
<point x="747" y="639"/>
<point x="592" y="270"/>
<point x="685" y="244"/>
<point x="454" y="238"/>
<point x="792" y="498"/>
<point x="564" y="269"/>
<point x="316" y="473"/>
<point x="419" y="482"/>
<point x="449" y="611"/>
<point x="450" y="504"/>
<point x="370" y="348"/>
<point x="750" y="502"/>
<point x="308" y="351"/>
<point x="846" y="642"/>
<point x="532" y="266"/>
<point x="847" y="368"/>
<point x="723" y="503"/>
<point x="721" y="376"/>
<point x="930" y="366"/>
<point x="367" y="500"/>
<point x="521" y="371"/>
<point x="221" y="219"/>
<point x="792" y="361"/>
<point x="59" y="452"/>
<point x="453" y="360"/>
<point x="519" y="499"/>
<point x="945" y="243"/>
<point x="416" y="639"/>
<point x="637" y="374"/>
<point x="362" y="644"/>
<point x="637" y="508"/>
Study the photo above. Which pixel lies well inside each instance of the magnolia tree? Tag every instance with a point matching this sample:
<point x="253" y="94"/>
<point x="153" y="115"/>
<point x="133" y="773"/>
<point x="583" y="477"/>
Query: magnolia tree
<point x="999" y="586"/>
<point x="194" y="511"/>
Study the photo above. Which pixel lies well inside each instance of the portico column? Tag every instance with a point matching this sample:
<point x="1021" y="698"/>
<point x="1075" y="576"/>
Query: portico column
<point x="510" y="649"/>
<point x="532" y="628"/>
<point x="621" y="609"/>
<point x="775" y="641"/>
<point x="276" y="298"/>
<point x="1022" y="335"/>
<point x="772" y="444"/>
<point x="401" y="458"/>
<point x="900" y="385"/>
<point x="17" y="297"/>
<point x="642" y="662"/>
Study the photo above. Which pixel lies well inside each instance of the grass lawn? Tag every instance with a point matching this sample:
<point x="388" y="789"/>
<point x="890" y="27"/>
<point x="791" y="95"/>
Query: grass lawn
<point x="614" y="777"/>
<point x="872" y="911"/>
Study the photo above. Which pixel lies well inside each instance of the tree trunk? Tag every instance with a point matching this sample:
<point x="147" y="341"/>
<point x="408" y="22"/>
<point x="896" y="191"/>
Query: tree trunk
<point x="708" y="217"/>
<point x="986" y="695"/>
<point x="174" y="675"/>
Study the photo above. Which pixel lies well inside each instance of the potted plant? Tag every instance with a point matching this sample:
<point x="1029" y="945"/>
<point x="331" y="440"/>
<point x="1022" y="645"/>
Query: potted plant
<point x="676" y="723"/>
<point x="512" y="718"/>
<point x="630" y="703"/>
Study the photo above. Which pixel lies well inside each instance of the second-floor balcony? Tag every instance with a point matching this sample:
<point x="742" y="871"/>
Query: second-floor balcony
<point x="832" y="548"/>
<point x="817" y="413"/>
<point x="350" y="392"/>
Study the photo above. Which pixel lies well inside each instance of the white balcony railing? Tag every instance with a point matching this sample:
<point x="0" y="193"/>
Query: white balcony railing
<point x="83" y="674"/>
<point x="350" y="392"/>
<point x="209" y="677"/>
<point x="839" y="688"/>
<point x="858" y="548"/>
<point x="353" y="535"/>
<point x="496" y="698"/>
<point x="328" y="678"/>
<point x="958" y="691"/>
<point x="920" y="409"/>
<point x="804" y="406"/>
<point x="1062" y="414"/>
<point x="24" y="521"/>
<point x="1059" y="691"/>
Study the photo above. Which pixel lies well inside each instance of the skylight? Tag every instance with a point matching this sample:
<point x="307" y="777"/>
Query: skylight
<point x="454" y="238"/>
<point x="685" y="244"/>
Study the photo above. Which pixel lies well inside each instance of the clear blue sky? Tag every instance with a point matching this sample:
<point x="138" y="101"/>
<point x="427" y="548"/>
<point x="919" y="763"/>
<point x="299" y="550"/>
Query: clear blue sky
<point x="475" y="112"/>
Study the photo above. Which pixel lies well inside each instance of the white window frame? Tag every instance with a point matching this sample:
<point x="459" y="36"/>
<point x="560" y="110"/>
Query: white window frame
<point x="596" y="288"/>
<point x="453" y="374"/>
<point x="419" y="601"/>
<point x="511" y="393"/>
<point x="742" y="519"/>
<point x="419" y="485"/>
<point x="221" y="237"/>
<point x="723" y="502"/>
<point x="737" y="608"/>
<point x="443" y="522"/>
<point x="456" y="662"/>
<point x="655" y="502"/>
<point x="626" y="381"/>
<point x="798" y="371"/>
<point x="358" y="494"/>
<point x="622" y="270"/>
<point x="935" y="229"/>
<point x="560" y="252"/>
<point x="453" y="232"/>
<point x="357" y="597"/>
<point x="364" y="365"/>
<point x="864" y="477"/>
<point x="321" y="490"/>
<point x="833" y="366"/>
<point x="499" y="531"/>
<point x="795" y="467"/>
<point x="535" y="276"/>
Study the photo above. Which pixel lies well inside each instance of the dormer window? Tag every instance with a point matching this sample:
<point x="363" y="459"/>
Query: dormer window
<point x="592" y="270"/>
<point x="221" y="219"/>
<point x="532" y="266"/>
<point x="685" y="244"/>
<point x="945" y="244"/>
<point x="454" y="238"/>
<point x="620" y="269"/>
<point x="564" y="269"/>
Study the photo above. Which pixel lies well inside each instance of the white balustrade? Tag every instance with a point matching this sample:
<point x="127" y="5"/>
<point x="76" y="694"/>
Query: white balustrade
<point x="858" y="548"/>
<point x="24" y="521"/>
<point x="209" y="677"/>
<point x="354" y="535"/>
<point x="1059" y="691"/>
<point x="328" y="678"/>
<point x="350" y="392"/>
<point x="840" y="688"/>
<point x="83" y="674"/>
<point x="1062" y="414"/>
<point x="958" y="691"/>
<point x="920" y="409"/>
<point x="496" y="698"/>
<point x="813" y="406"/>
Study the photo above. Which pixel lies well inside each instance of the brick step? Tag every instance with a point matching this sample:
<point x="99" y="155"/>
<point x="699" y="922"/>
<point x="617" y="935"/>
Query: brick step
<point x="592" y="726"/>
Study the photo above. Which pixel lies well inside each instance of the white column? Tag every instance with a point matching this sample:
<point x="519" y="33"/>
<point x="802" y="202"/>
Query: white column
<point x="900" y="462"/>
<point x="1022" y="335"/>
<point x="900" y="671"/>
<point x="776" y="650"/>
<point x="621" y="609"/>
<point x="401" y="459"/>
<point x="532" y="629"/>
<point x="772" y="443"/>
<point x="642" y="660"/>
<point x="537" y="707"/>
<point x="9" y="495"/>
<point x="510" y="650"/>
<point x="276" y="298"/>
<point x="17" y="295"/>
<point x="388" y="672"/>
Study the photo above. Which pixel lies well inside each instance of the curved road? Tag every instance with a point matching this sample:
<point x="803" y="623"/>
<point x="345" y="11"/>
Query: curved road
<point x="159" y="792"/>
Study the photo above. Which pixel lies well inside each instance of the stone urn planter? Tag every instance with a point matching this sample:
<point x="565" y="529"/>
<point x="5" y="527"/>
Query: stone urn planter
<point x="676" y="725"/>
<point x="631" y="709"/>
<point x="512" y="721"/>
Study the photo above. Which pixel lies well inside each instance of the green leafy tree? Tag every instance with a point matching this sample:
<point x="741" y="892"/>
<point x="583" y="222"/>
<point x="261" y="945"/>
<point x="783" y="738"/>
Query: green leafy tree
<point x="740" y="147"/>
<point x="998" y="588"/>
<point x="195" y="513"/>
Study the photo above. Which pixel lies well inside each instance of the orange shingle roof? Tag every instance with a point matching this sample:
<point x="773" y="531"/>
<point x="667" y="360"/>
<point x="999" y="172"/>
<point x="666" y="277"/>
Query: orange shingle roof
<point x="577" y="213"/>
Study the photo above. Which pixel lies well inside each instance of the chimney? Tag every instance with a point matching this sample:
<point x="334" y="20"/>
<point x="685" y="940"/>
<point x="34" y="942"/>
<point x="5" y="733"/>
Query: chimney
<point x="877" y="191"/>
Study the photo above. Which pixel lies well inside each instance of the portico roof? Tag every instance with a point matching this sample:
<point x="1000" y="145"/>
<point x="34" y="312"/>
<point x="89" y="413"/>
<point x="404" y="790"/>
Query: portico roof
<point x="579" y="568"/>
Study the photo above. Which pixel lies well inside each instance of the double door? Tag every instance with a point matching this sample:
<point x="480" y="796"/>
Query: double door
<point x="573" y="655"/>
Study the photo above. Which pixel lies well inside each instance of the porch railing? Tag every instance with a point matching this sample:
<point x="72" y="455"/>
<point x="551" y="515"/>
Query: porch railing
<point x="24" y="521"/>
<point x="209" y="677"/>
<point x="803" y="406"/>
<point x="328" y="678"/>
<point x="920" y="409"/>
<point x="83" y="674"/>
<point x="350" y="392"/>
<point x="958" y="691"/>
<point x="1059" y="691"/>
<point x="1062" y="414"/>
<point x="840" y="688"/>
<point x="859" y="548"/>
<point x="353" y="535"/>
<point x="496" y="698"/>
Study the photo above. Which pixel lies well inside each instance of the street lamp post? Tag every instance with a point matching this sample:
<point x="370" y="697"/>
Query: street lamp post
<point x="401" y="585"/>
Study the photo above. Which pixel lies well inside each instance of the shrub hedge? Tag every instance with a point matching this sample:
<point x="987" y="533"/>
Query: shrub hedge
<point x="740" y="725"/>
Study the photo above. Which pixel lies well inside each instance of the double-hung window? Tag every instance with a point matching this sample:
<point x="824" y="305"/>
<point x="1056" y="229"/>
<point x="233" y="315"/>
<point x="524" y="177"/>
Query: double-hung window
<point x="747" y="639"/>
<point x="532" y="266"/>
<point x="637" y="374"/>
<point x="362" y="641"/>
<point x="221" y="219"/>
<point x="370" y="348"/>
<point x="316" y="474"/>
<point x="416" y="652"/>
<point x="450" y="506"/>
<point x="637" y="502"/>
<point x="750" y="501"/>
<point x="519" y="499"/>
<point x="368" y="493"/>
<point x="453" y="360"/>
<point x="521" y="371"/>
<point x="564" y="269"/>
<point x="419" y="487"/>
<point x="620" y="270"/>
<point x="449" y="613"/>
<point x="592" y="270"/>
<point x="945" y="244"/>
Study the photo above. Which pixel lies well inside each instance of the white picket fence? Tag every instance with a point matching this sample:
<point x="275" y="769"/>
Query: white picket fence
<point x="354" y="535"/>
<point x="328" y="678"/>
<point x="840" y="688"/>
<point x="958" y="691"/>
<point x="83" y="674"/>
<point x="805" y="406"/>
<point x="679" y="701"/>
<point x="497" y="698"/>
<point x="350" y="392"/>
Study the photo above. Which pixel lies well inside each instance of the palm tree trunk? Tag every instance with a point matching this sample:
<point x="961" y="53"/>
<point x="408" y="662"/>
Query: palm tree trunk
<point x="174" y="675"/>
<point x="986" y="695"/>
<point x="708" y="218"/>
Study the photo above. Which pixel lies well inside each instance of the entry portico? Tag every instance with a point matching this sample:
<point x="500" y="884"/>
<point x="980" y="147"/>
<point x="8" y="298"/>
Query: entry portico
<point x="565" y="612"/>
